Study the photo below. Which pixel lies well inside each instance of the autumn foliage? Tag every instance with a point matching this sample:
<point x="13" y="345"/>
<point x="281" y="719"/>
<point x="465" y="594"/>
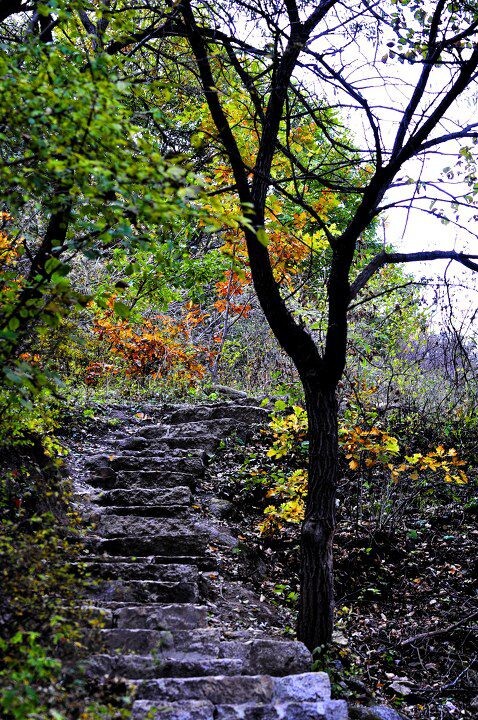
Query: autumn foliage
<point x="366" y="451"/>
<point x="158" y="347"/>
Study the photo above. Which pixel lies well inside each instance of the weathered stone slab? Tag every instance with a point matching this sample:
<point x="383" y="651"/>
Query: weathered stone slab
<point x="147" y="591"/>
<point x="138" y="641"/>
<point x="306" y="687"/>
<point x="216" y="429"/>
<point x="163" y="443"/>
<point x="185" y="710"/>
<point x="249" y="414"/>
<point x="277" y="657"/>
<point x="196" y="560"/>
<point x="145" y="511"/>
<point x="216" y="689"/>
<point x="102" y="477"/>
<point x="140" y="478"/>
<point x="158" y="480"/>
<point x="175" y="617"/>
<point x="142" y="569"/>
<point x="148" y="667"/>
<point x="169" y="497"/>
<point x="117" y="525"/>
<point x="179" y="461"/>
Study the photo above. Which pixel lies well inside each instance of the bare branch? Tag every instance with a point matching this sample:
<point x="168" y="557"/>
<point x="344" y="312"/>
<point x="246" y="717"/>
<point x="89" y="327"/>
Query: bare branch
<point x="441" y="631"/>
<point x="386" y="258"/>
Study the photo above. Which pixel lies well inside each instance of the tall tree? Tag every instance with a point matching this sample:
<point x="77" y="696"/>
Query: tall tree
<point x="300" y="47"/>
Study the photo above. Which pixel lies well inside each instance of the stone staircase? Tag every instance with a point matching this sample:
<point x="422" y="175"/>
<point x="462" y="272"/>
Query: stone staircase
<point x="156" y="560"/>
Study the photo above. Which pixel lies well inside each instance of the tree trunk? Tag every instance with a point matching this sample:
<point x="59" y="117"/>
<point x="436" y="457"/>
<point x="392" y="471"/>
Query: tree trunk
<point x="316" y="600"/>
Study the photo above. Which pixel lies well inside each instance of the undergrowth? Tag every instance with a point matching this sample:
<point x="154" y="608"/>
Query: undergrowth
<point x="43" y="628"/>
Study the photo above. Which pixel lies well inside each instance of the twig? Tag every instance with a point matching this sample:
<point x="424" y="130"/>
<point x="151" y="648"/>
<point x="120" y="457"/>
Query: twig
<point x="454" y="682"/>
<point x="443" y="631"/>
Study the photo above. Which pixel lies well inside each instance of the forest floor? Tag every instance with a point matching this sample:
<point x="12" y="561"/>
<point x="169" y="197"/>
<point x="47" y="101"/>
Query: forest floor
<point x="406" y="597"/>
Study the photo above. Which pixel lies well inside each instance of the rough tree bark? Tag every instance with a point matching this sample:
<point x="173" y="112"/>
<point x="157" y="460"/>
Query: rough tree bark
<point x="316" y="607"/>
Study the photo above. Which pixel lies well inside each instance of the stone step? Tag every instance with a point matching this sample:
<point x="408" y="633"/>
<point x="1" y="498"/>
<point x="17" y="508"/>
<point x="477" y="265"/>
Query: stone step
<point x="179" y="462"/>
<point x="258" y="689"/>
<point x="144" y="667"/>
<point x="147" y="591"/>
<point x="168" y="498"/>
<point x="165" y="545"/>
<point x="191" y="641"/>
<point x="153" y="511"/>
<point x="157" y="452"/>
<point x="216" y="429"/>
<point x="147" y="479"/>
<point x="199" y="443"/>
<point x="185" y="710"/>
<point x="248" y="414"/>
<point x="98" y="554"/>
<point x="203" y="710"/>
<point x="153" y="616"/>
<point x="141" y="569"/>
<point x="174" y="617"/>
<point x="258" y="656"/>
<point x="108" y="479"/>
<point x="140" y="641"/>
<point x="329" y="710"/>
<point x="118" y="525"/>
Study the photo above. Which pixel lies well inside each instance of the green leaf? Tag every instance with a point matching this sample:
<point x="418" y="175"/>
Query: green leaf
<point x="262" y="236"/>
<point x="122" y="310"/>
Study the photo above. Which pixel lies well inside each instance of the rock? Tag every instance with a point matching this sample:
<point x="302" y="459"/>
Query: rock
<point x="277" y="657"/>
<point x="306" y="687"/>
<point x="99" y="465"/>
<point x="374" y="712"/>
<point x="144" y="511"/>
<point x="219" y="508"/>
<point x="148" y="667"/>
<point x="102" y="476"/>
<point x="401" y="687"/>
<point x="220" y="536"/>
<point x="231" y="392"/>
<point x="143" y="569"/>
<point x="188" y="431"/>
